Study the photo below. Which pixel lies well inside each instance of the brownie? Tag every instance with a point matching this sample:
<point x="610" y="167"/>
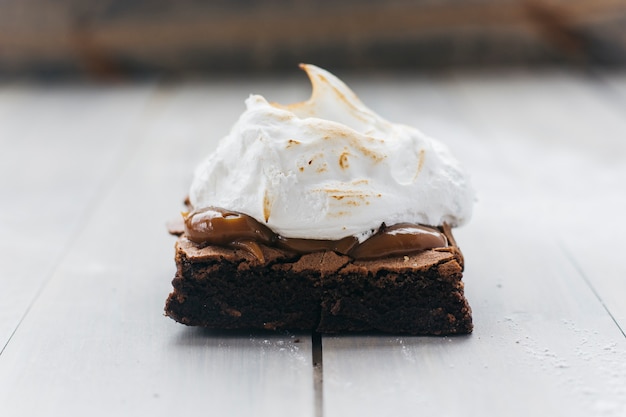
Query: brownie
<point x="224" y="288"/>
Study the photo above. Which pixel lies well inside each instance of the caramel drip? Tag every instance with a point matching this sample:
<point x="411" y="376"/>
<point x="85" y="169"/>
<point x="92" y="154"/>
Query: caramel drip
<point x="399" y="239"/>
<point x="313" y="245"/>
<point x="221" y="227"/>
<point x="216" y="226"/>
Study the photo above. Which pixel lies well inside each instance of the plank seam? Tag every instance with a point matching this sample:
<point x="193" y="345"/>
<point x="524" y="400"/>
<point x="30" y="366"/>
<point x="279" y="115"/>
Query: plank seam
<point x="585" y="278"/>
<point x="124" y="158"/>
<point x="318" y="374"/>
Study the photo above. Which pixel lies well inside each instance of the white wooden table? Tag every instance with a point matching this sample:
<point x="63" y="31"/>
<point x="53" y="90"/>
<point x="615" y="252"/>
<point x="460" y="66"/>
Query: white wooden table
<point x="89" y="175"/>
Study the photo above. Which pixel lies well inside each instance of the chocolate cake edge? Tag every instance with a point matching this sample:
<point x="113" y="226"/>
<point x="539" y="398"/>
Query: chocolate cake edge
<point x="222" y="288"/>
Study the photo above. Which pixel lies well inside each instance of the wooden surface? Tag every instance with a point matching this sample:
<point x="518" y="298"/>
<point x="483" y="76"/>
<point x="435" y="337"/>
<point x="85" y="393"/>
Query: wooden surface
<point x="120" y="38"/>
<point x="90" y="174"/>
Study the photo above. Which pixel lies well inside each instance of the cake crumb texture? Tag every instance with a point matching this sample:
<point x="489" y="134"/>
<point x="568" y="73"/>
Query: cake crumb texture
<point x="222" y="288"/>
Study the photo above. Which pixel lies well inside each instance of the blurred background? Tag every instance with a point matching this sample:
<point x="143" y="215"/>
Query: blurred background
<point x="110" y="39"/>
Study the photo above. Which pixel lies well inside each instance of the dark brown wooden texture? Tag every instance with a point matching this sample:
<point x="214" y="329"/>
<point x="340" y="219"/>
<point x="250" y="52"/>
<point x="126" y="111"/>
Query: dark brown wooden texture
<point x="116" y="38"/>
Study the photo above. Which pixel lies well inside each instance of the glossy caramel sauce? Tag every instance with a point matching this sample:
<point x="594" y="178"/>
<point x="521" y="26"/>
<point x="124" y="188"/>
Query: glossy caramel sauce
<point x="216" y="226"/>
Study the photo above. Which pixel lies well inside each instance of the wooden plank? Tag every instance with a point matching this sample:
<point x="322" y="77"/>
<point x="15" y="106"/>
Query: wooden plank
<point x="543" y="344"/>
<point x="569" y="130"/>
<point x="96" y="341"/>
<point x="59" y="146"/>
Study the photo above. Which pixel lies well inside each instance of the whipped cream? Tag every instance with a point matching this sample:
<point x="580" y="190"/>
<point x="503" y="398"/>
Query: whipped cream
<point x="330" y="167"/>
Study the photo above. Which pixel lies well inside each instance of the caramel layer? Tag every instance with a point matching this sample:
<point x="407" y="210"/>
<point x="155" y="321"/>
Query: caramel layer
<point x="216" y="226"/>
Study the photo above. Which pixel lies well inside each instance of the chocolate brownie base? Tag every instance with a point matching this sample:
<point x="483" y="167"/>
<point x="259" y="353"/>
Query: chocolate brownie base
<point x="223" y="288"/>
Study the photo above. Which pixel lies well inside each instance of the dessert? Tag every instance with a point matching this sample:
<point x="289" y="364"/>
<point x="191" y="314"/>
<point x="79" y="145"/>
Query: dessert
<point x="322" y="215"/>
